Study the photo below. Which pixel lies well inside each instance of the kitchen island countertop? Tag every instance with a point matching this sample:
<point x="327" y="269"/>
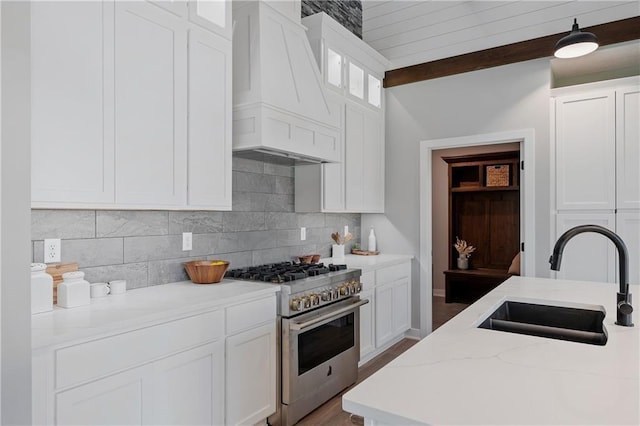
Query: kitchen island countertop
<point x="138" y="308"/>
<point x="461" y="374"/>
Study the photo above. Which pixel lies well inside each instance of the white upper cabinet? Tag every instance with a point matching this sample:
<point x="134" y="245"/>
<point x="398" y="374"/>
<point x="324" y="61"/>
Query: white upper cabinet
<point x="354" y="71"/>
<point x="209" y="147"/>
<point x="136" y="112"/>
<point x="628" y="147"/>
<point x="150" y="82"/>
<point x="596" y="138"/>
<point x="214" y="15"/>
<point x="585" y="151"/>
<point x="72" y="142"/>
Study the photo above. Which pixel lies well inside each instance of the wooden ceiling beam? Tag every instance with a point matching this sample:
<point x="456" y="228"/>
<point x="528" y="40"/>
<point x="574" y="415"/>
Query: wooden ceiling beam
<point x="609" y="33"/>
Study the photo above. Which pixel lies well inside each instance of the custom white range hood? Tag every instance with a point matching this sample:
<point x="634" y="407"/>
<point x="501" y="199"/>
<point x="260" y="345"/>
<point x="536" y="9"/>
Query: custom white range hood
<point x="279" y="104"/>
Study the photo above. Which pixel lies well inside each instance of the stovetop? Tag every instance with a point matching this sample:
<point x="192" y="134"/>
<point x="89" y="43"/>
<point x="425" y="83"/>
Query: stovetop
<point x="303" y="286"/>
<point x="282" y="272"/>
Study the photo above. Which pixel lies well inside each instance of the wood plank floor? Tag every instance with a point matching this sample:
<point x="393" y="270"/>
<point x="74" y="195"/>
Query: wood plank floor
<point x="331" y="413"/>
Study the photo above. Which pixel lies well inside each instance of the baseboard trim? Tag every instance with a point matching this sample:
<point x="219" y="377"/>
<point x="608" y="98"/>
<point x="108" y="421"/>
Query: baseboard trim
<point x="413" y="334"/>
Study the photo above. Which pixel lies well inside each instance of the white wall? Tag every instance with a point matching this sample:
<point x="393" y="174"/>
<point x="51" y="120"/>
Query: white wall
<point x="15" y="199"/>
<point x="494" y="100"/>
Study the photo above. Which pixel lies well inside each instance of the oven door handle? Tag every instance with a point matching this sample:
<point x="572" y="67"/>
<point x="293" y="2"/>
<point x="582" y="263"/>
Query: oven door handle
<point x="297" y="326"/>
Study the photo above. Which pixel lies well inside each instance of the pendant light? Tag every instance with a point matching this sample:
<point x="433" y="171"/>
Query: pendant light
<point x="577" y="43"/>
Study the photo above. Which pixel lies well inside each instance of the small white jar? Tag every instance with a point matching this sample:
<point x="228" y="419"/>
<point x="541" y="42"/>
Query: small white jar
<point x="74" y="290"/>
<point x="41" y="289"/>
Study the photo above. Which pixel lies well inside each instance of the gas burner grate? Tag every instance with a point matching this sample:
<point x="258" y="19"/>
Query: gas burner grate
<point x="282" y="271"/>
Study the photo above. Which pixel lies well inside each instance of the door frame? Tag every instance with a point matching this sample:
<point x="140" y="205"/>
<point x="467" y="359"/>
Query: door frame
<point x="526" y="138"/>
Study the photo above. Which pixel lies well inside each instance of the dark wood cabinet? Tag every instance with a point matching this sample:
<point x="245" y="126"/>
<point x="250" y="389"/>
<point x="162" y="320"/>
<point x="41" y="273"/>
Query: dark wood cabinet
<point x="484" y="210"/>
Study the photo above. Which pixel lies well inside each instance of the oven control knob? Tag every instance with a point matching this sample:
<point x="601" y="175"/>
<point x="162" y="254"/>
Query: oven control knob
<point x="353" y="288"/>
<point x="344" y="290"/>
<point x="325" y="296"/>
<point x="294" y="304"/>
<point x="358" y="286"/>
<point x="305" y="301"/>
<point x="315" y="299"/>
<point x="333" y="294"/>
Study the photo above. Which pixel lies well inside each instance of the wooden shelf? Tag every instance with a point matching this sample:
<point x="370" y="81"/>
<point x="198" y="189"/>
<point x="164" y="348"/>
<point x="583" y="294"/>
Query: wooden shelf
<point x="485" y="188"/>
<point x="486" y="217"/>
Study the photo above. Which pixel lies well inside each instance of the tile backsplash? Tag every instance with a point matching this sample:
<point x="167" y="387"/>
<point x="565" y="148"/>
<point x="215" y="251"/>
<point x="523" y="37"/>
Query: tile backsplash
<point x="145" y="247"/>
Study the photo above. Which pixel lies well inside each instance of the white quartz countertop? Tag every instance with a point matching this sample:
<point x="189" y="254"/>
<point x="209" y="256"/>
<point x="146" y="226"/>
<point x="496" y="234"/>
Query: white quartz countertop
<point x="461" y="374"/>
<point x="370" y="263"/>
<point x="137" y="308"/>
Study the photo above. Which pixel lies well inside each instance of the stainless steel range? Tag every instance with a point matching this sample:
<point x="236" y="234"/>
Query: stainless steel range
<point x="319" y="320"/>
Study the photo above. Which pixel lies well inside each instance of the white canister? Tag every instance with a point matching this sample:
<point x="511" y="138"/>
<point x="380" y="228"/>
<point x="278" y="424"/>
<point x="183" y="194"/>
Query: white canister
<point x="337" y="252"/>
<point x="41" y="289"/>
<point x="74" y="290"/>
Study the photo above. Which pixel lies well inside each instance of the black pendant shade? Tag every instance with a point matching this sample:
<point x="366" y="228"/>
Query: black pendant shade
<point x="577" y="43"/>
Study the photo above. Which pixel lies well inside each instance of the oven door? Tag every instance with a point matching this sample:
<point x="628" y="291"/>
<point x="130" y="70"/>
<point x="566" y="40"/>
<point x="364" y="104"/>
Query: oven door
<point x="320" y="354"/>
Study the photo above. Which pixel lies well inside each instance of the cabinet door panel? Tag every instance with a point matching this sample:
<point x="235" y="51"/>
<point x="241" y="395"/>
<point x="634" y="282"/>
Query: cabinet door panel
<point x="71" y="102"/>
<point x="367" y="325"/>
<point x="373" y="163"/>
<point x="121" y="399"/>
<point x="150" y="105"/>
<point x="188" y="387"/>
<point x="251" y="375"/>
<point x="384" y="313"/>
<point x="209" y="121"/>
<point x="588" y="256"/>
<point x="585" y="151"/>
<point x="354" y="163"/>
<point x="628" y="228"/>
<point x="628" y="148"/>
<point x="401" y="306"/>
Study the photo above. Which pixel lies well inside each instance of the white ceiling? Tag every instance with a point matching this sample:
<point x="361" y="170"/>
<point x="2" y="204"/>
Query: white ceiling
<point x="409" y="32"/>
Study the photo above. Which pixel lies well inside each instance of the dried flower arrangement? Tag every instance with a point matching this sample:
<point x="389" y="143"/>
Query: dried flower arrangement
<point x="464" y="250"/>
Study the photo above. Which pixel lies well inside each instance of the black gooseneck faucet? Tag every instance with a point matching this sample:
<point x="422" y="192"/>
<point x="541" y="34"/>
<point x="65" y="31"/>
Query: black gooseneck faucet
<point x="623" y="300"/>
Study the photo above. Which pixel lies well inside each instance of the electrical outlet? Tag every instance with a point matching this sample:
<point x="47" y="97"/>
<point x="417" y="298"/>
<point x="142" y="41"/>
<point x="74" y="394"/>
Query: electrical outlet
<point x="346" y="230"/>
<point x="52" y="249"/>
<point x="187" y="241"/>
<point x="303" y="233"/>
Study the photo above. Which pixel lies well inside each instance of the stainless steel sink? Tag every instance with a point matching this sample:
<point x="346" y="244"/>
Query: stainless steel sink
<point x="556" y="322"/>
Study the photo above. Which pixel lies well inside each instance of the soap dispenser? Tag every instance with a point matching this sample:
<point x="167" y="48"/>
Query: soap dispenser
<point x="74" y="290"/>
<point x="372" y="240"/>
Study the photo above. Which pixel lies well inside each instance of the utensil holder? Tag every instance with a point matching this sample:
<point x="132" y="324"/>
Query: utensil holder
<point x="337" y="251"/>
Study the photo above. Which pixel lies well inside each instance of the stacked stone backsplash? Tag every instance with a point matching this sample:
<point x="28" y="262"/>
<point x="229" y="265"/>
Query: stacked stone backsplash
<point x="346" y="12"/>
<point x="145" y="247"/>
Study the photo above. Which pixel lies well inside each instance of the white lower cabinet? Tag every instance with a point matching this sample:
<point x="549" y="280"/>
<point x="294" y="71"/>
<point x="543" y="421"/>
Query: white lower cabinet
<point x="251" y="375"/>
<point x="387" y="316"/>
<point x="185" y="371"/>
<point x="188" y="388"/>
<point x="120" y="399"/>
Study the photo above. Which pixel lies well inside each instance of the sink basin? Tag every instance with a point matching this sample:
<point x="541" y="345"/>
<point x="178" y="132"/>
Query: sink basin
<point x="556" y="322"/>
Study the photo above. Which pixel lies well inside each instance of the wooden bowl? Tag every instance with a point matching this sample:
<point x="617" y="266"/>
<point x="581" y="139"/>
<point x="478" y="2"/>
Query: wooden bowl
<point x="305" y="258"/>
<point x="206" y="271"/>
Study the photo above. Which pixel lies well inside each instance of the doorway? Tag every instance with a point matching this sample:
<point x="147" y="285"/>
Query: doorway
<point x="444" y="205"/>
<point x="524" y="138"/>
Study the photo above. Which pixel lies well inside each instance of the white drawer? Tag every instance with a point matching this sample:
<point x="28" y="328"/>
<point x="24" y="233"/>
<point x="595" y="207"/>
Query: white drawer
<point x="393" y="273"/>
<point x="251" y="314"/>
<point x="93" y="359"/>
